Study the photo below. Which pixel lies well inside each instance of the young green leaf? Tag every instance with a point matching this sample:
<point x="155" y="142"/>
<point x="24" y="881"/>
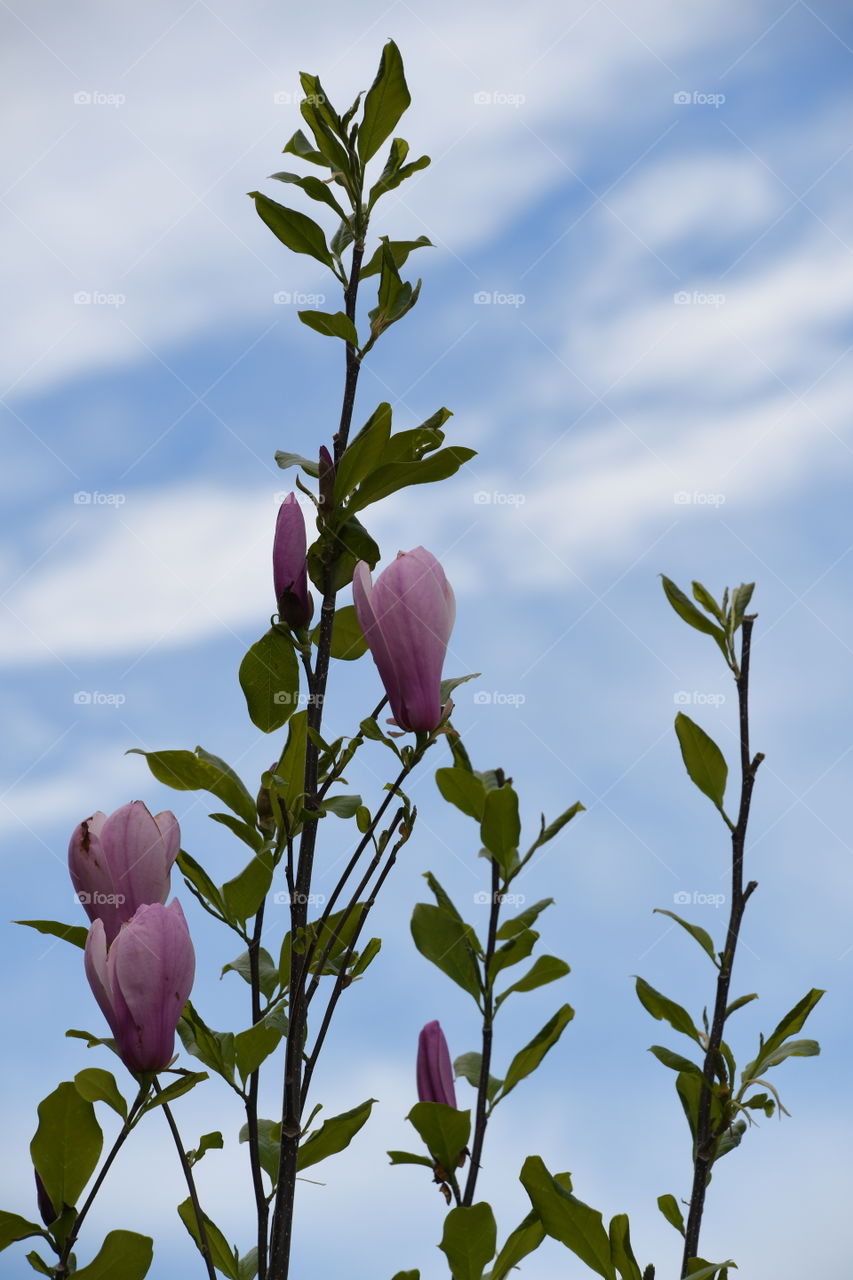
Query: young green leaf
<point x="123" y="1253"/>
<point x="269" y="678"/>
<point x="620" y="1248"/>
<point x="703" y="759"/>
<point x="295" y="230"/>
<point x="500" y="829"/>
<point x="13" y="1227"/>
<point x="701" y="935"/>
<point x="688" y="612"/>
<point x="568" y="1219"/>
<point x="668" y="1206"/>
<point x="97" y="1085"/>
<point x="314" y="188"/>
<point x="468" y="1066"/>
<point x="399" y="249"/>
<point x="333" y="1136"/>
<point x="469" y="1240"/>
<point x="67" y="1144"/>
<point x="524" y="1240"/>
<point x="445" y="1131"/>
<point x="76" y="934"/>
<point x="662" y="1008"/>
<point x="333" y="325"/>
<point x="448" y="942"/>
<point x="529" y="1058"/>
<point x="463" y="789"/>
<point x="221" y="1253"/>
<point x="545" y="969"/>
<point x="387" y="99"/>
<point x="200" y="771"/>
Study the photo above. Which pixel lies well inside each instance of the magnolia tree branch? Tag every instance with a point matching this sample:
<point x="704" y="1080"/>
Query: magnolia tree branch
<point x="706" y="1138"/>
<point x="481" y="1113"/>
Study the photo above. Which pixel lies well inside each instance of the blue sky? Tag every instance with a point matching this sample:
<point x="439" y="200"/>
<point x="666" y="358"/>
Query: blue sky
<point x="656" y="204"/>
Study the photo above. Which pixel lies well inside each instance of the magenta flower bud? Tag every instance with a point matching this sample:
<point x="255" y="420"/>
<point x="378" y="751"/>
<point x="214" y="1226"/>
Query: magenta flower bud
<point x="434" y="1072"/>
<point x="326" y="475"/>
<point x="407" y="616"/>
<point x="142" y="982"/>
<point x="122" y="862"/>
<point x="45" y="1204"/>
<point x="289" y="567"/>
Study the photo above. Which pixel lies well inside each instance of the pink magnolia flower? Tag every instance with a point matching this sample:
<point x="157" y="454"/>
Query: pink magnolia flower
<point x="434" y="1072"/>
<point x="407" y="616"/>
<point x="289" y="566"/>
<point x="122" y="862"/>
<point x="142" y="982"/>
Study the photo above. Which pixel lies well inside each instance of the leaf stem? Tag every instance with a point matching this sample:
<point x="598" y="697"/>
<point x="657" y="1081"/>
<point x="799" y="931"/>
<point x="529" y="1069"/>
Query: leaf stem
<point x="481" y="1113"/>
<point x="203" y="1245"/>
<point x="703" y="1158"/>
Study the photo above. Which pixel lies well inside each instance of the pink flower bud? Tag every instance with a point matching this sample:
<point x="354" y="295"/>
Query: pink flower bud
<point x="434" y="1072"/>
<point x="289" y="568"/>
<point x="407" y="616"/>
<point x="122" y="862"/>
<point x="142" y="982"/>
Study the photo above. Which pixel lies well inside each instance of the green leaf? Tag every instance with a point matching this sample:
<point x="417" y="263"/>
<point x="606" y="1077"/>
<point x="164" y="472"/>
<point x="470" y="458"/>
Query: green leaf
<point x="96" y="1085"/>
<point x="269" y="1146"/>
<point x="313" y="187"/>
<point x="244" y="894"/>
<point x="620" y="1248"/>
<point x="688" y="612"/>
<point x="334" y="1135"/>
<point x="67" y="1144"/>
<point x="200" y="771"/>
<point x="214" y="1048"/>
<point x="669" y="1207"/>
<point x="792" y="1049"/>
<point x="308" y="465"/>
<point x="249" y="835"/>
<point x="529" y="1058"/>
<point x="447" y="942"/>
<point x="295" y="230"/>
<point x="221" y="1253"/>
<point x="446" y="688"/>
<point x="409" y="1157"/>
<point x="399" y="475"/>
<point x="333" y="325"/>
<point x="707" y="601"/>
<point x="291" y="767"/>
<point x="76" y="934"/>
<point x="554" y="828"/>
<point x="176" y="1089"/>
<point x="567" y="1219"/>
<point x="123" y="1253"/>
<point x="364" y="452"/>
<point x="299" y="145"/>
<point x="38" y="1264"/>
<point x="740" y="1002"/>
<point x="741" y="597"/>
<point x="676" y="1061"/>
<point x="254" y="1046"/>
<point x="698" y="1269"/>
<point x="13" y="1227"/>
<point x="662" y="1008"/>
<point x="444" y="1130"/>
<point x="793" y="1021"/>
<point x="387" y="99"/>
<point x="500" y="829"/>
<point x="463" y="789"/>
<point x="544" y="969"/>
<point x="467" y="1067"/>
<point x="342" y="806"/>
<point x="524" y="1240"/>
<point x="407" y="1275"/>
<point x="395" y="171"/>
<point x="518" y="948"/>
<point x="348" y="640"/>
<point x="524" y="919"/>
<point x="200" y="882"/>
<point x="269" y="678"/>
<point x="446" y="903"/>
<point x="207" y="1142"/>
<point x="267" y="970"/>
<point x="703" y="759"/>
<point x="701" y="935"/>
<point x="469" y="1240"/>
<point x="400" y="250"/>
